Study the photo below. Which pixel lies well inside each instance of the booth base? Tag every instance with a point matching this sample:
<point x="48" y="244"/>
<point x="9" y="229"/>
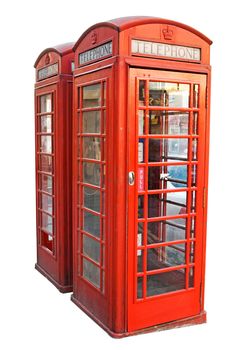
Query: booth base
<point x="189" y="321"/>
<point x="60" y="287"/>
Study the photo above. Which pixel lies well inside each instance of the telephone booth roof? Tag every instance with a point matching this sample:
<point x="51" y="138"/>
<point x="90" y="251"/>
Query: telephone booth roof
<point x="61" y="50"/>
<point x="124" y="23"/>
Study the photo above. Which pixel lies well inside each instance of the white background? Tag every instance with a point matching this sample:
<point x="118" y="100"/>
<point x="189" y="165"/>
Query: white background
<point x="34" y="315"/>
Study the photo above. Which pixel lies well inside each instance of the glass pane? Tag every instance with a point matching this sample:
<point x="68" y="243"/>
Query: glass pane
<point x="195" y="96"/>
<point x="165" y="282"/>
<point x="104" y="93"/>
<point x="194" y="175"/>
<point x="45" y="125"/>
<point x="46" y="144"/>
<point x="140" y="206"/>
<point x="169" y="94"/>
<point x="191" y="277"/>
<point x="47" y="223"/>
<point x="141" y="92"/>
<point x="91" y="272"/>
<point x="91" y="198"/>
<point x="162" y="150"/>
<point x="141" y="151"/>
<point x="172" y="123"/>
<point x="46" y="183"/>
<point x="195" y="123"/>
<point x="92" y="224"/>
<point x="46" y="203"/>
<point x="140" y="259"/>
<point x="91" y="122"/>
<point x="193" y="202"/>
<point x="166" y="231"/>
<point x="92" y="148"/>
<point x="46" y="164"/>
<point x="139" y="287"/>
<point x="140" y="233"/>
<point x="194" y="149"/>
<point x="167" y="204"/>
<point x="91" y="248"/>
<point x="159" y="258"/>
<point x="91" y="173"/>
<point x="192" y="252"/>
<point x="167" y="177"/>
<point x="46" y="103"/>
<point x="141" y="122"/>
<point x="192" y="227"/>
<point x="92" y="96"/>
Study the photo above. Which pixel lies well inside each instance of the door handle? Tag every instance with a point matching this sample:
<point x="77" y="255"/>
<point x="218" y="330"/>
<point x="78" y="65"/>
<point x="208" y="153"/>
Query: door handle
<point x="131" y="178"/>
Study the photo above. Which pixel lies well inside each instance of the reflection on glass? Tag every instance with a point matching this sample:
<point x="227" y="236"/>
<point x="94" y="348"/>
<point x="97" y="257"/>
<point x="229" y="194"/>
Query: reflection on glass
<point x="162" y="150"/>
<point x="191" y="277"/>
<point x="45" y="125"/>
<point x="46" y="103"/>
<point x="166" y="231"/>
<point x="159" y="258"/>
<point x="91" y="272"/>
<point x="92" y="224"/>
<point x="165" y="282"/>
<point x="169" y="94"/>
<point x="92" y="96"/>
<point x="192" y="252"/>
<point x="46" y="203"/>
<point x="193" y="202"/>
<point x="142" y="92"/>
<point x="194" y="149"/>
<point x="91" y="173"/>
<point x="195" y="95"/>
<point x="167" y="177"/>
<point x="47" y="223"/>
<point x="194" y="175"/>
<point x="46" y="183"/>
<point x="141" y="122"/>
<point x="91" y="122"/>
<point x="91" y="248"/>
<point x="46" y="163"/>
<point x="140" y="206"/>
<point x="167" y="204"/>
<point x="141" y="151"/>
<point x="192" y="227"/>
<point x="195" y="123"/>
<point x="171" y="123"/>
<point x="46" y="144"/>
<point x="139" y="287"/>
<point x="92" y="148"/>
<point x="91" y="198"/>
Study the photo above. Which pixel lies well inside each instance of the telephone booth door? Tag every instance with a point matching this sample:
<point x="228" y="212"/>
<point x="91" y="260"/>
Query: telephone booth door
<point x="167" y="118"/>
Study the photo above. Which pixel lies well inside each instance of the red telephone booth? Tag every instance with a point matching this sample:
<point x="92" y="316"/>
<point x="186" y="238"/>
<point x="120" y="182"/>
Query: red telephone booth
<point x="140" y="170"/>
<point x="53" y="115"/>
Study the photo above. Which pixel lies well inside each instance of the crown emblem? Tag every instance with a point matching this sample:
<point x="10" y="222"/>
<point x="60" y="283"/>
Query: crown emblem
<point x="47" y="59"/>
<point x="93" y="38"/>
<point x="167" y="33"/>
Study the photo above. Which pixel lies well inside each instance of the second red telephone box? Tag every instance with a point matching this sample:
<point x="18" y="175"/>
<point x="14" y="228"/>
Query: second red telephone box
<point x="140" y="173"/>
<point x="53" y="112"/>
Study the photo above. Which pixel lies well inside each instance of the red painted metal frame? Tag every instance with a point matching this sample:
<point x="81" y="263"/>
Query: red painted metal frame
<point x="56" y="265"/>
<point x="113" y="313"/>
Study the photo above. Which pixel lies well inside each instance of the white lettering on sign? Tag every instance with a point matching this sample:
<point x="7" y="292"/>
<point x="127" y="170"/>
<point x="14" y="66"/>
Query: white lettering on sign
<point x="166" y="50"/>
<point x="48" y="71"/>
<point x="97" y="53"/>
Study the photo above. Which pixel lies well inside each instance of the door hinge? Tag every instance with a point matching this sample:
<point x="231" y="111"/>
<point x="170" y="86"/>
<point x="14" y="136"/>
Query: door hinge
<point x="204" y="198"/>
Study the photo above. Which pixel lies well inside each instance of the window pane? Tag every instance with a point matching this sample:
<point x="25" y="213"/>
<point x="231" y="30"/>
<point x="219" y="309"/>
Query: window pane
<point x="167" y="204"/>
<point x="46" y="203"/>
<point x="91" y="272"/>
<point x="45" y="125"/>
<point x="172" y="123"/>
<point x="91" y="248"/>
<point x="92" y="148"/>
<point x="140" y="206"/>
<point x="141" y="122"/>
<point x="92" y="96"/>
<point x="139" y="287"/>
<point x="46" y="144"/>
<point x="92" y="224"/>
<point x="165" y="282"/>
<point x="167" y="177"/>
<point x="46" y="183"/>
<point x="47" y="223"/>
<point x="167" y="256"/>
<point x="166" y="231"/>
<point x="169" y="94"/>
<point x="91" y="173"/>
<point x="46" y="164"/>
<point x="162" y="150"/>
<point x="91" y="198"/>
<point x="141" y="92"/>
<point x="91" y="122"/>
<point x="46" y="103"/>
